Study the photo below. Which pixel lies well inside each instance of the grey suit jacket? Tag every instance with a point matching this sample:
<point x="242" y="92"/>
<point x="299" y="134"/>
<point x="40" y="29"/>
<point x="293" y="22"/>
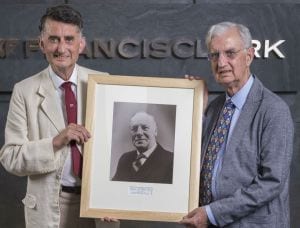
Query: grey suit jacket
<point x="253" y="184"/>
<point x="35" y="116"/>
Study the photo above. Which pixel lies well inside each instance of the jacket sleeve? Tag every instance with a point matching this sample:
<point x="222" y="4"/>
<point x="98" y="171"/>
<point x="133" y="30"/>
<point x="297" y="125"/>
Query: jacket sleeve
<point x="23" y="154"/>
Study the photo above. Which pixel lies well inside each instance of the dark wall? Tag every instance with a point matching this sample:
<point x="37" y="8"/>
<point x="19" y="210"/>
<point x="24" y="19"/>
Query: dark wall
<point x="165" y="24"/>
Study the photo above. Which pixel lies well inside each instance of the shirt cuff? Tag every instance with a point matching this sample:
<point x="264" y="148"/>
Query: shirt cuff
<point x="210" y="215"/>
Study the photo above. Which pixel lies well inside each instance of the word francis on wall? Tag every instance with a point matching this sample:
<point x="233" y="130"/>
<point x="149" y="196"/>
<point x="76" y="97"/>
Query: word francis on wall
<point x="129" y="48"/>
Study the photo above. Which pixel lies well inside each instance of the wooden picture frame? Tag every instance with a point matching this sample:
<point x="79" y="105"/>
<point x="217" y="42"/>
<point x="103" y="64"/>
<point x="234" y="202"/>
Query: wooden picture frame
<point x="177" y="107"/>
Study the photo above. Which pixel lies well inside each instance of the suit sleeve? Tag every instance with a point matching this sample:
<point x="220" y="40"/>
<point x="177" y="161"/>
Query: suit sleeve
<point x="21" y="154"/>
<point x="274" y="149"/>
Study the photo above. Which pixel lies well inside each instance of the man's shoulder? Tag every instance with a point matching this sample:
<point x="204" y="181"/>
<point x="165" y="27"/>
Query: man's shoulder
<point x="127" y="156"/>
<point x="269" y="99"/>
<point x="131" y="153"/>
<point x="90" y="71"/>
<point x="32" y="81"/>
<point x="163" y="151"/>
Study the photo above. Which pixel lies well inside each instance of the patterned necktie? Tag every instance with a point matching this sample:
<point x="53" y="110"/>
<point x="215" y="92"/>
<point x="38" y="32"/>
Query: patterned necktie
<point x="138" y="163"/>
<point x="216" y="141"/>
<point x="71" y="109"/>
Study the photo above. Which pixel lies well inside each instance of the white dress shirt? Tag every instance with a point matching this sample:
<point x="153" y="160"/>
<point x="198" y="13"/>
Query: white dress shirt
<point x="68" y="178"/>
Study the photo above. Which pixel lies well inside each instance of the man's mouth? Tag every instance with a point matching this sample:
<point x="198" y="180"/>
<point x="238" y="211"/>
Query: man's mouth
<point x="60" y="57"/>
<point x="140" y="140"/>
<point x="224" y="71"/>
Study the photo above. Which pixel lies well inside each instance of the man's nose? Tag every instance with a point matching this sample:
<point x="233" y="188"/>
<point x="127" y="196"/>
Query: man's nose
<point x="139" y="131"/>
<point x="61" y="46"/>
<point x="222" y="60"/>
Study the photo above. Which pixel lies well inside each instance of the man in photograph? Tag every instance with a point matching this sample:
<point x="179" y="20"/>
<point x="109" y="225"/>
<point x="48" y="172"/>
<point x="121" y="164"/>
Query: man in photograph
<point x="149" y="162"/>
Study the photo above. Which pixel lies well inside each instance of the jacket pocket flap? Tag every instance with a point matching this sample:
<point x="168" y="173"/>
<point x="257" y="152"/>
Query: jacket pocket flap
<point x="29" y="201"/>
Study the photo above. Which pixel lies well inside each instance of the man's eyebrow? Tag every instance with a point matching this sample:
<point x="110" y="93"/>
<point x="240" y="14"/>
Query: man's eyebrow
<point x="53" y="36"/>
<point x="69" y="37"/>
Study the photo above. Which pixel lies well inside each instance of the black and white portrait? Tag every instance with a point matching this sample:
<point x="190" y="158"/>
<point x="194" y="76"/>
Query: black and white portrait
<point x="143" y="138"/>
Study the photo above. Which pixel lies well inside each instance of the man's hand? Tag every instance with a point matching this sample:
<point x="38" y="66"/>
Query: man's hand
<point x="72" y="132"/>
<point x="196" y="218"/>
<point x="191" y="77"/>
<point x="108" y="219"/>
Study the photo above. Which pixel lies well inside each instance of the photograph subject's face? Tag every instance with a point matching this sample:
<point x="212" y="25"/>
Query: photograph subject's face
<point x="143" y="131"/>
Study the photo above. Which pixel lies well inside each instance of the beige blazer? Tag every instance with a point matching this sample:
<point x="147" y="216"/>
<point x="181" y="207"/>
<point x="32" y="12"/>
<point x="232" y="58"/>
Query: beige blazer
<point x="34" y="118"/>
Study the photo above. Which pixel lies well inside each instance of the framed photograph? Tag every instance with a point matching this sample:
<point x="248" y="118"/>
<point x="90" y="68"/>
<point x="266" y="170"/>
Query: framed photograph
<point x="143" y="160"/>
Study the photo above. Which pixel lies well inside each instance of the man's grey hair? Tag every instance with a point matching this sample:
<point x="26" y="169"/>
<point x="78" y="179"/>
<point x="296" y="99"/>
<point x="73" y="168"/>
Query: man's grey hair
<point x="218" y="29"/>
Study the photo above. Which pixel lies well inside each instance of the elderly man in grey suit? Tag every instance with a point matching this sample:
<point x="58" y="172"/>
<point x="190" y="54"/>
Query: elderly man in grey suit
<point x="247" y="142"/>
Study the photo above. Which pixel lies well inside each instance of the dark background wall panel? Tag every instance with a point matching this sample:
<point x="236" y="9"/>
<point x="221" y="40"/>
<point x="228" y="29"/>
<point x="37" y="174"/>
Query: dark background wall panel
<point x="31" y="2"/>
<point x="192" y="21"/>
<point x="133" y="2"/>
<point x="182" y="1"/>
<point x="12" y="188"/>
<point x="295" y="168"/>
<point x="165" y="19"/>
<point x="11" y="207"/>
<point x="19" y="21"/>
<point x="247" y="1"/>
<point x="4" y="103"/>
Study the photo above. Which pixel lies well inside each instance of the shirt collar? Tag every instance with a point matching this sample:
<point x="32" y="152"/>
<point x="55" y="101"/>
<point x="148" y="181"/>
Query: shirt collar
<point x="240" y="97"/>
<point x="58" y="81"/>
<point x="147" y="153"/>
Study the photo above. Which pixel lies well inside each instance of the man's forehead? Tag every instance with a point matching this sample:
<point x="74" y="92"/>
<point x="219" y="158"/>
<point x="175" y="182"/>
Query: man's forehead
<point x="230" y="38"/>
<point x="58" y="26"/>
<point x="141" y="119"/>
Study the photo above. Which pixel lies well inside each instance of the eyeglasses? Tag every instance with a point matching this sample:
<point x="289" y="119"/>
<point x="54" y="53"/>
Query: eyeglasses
<point x="229" y="54"/>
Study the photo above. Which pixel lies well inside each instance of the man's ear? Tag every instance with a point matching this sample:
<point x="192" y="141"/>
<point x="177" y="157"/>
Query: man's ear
<point x="82" y="44"/>
<point x="250" y="56"/>
<point x="41" y="44"/>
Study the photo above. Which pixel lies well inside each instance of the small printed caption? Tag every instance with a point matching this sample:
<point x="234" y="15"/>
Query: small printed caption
<point x="140" y="191"/>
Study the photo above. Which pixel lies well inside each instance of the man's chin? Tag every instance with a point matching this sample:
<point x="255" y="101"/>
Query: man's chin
<point x="140" y="148"/>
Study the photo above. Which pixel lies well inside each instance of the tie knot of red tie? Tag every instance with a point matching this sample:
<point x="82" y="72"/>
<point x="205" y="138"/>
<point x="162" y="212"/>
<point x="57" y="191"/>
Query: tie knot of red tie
<point x="70" y="102"/>
<point x="66" y="85"/>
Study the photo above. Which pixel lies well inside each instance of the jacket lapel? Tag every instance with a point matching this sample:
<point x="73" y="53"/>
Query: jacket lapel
<point x="211" y="125"/>
<point x="249" y="110"/>
<point x="49" y="105"/>
<point x="82" y="79"/>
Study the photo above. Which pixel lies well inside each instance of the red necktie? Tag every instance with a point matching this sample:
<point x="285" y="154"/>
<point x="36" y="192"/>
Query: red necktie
<point x="71" y="109"/>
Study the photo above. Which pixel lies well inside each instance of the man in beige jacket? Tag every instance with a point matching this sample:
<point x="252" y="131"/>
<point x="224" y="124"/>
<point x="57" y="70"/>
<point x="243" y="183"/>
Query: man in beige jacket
<point x="37" y="134"/>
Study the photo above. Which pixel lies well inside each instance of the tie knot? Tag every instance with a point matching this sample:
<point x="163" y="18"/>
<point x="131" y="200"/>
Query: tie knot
<point x="140" y="156"/>
<point x="66" y="85"/>
<point x="229" y="104"/>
